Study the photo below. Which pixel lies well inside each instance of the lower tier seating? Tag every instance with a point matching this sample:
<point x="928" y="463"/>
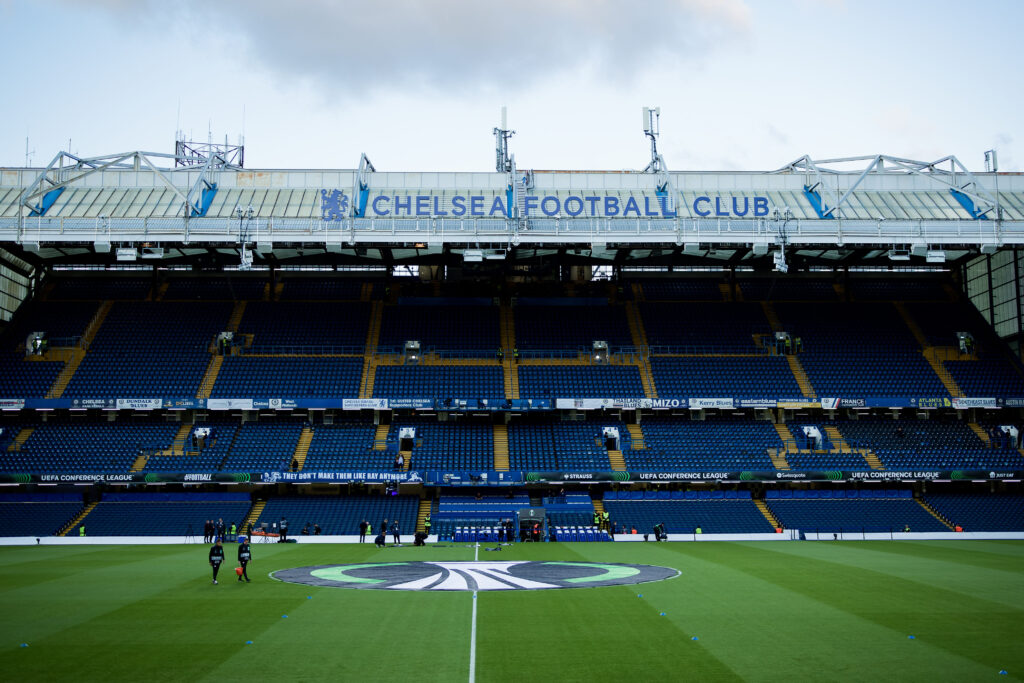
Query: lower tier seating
<point x="997" y="512"/>
<point x="850" y="514"/>
<point x="145" y="514"/>
<point x="37" y="514"/>
<point x="341" y="515"/>
<point x="714" y="514"/>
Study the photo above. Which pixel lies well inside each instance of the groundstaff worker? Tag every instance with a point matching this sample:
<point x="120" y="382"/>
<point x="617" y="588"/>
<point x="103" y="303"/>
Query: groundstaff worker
<point x="216" y="558"/>
<point x="244" y="557"/>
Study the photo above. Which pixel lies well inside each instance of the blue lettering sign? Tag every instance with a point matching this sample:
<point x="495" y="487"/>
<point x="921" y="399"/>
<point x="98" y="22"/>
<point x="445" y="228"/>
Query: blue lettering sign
<point x="458" y="205"/>
<point x="611" y="206"/>
<point x="718" y="207"/>
<point x="407" y="204"/>
<point x="422" y="205"/>
<point x="760" y="206"/>
<point x="438" y="211"/>
<point x="376" y="209"/>
<point x="577" y="201"/>
<point x="736" y="209"/>
<point x="647" y="207"/>
<point x="497" y="207"/>
<point x="544" y="203"/>
<point x="476" y="205"/>
<point x="529" y="204"/>
<point x="697" y="201"/>
<point x="631" y="205"/>
<point x="663" y="201"/>
<point x="593" y="204"/>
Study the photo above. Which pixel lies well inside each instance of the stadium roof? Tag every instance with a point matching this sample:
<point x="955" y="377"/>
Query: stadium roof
<point x="201" y="206"/>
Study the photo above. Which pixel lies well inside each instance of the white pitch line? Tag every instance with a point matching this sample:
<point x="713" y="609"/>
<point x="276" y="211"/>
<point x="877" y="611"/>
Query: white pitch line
<point x="472" y="631"/>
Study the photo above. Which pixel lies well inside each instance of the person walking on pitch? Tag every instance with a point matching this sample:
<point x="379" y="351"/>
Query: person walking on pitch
<point x="244" y="557"/>
<point x="216" y="558"/>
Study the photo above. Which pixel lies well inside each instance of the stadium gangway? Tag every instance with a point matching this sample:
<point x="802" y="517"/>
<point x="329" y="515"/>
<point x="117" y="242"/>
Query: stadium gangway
<point x="301" y="349"/>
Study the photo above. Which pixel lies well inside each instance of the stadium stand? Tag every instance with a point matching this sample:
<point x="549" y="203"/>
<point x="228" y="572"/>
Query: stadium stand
<point x="680" y="290"/>
<point x="980" y="512"/>
<point x="99" y="289"/>
<point x="321" y="289"/>
<point x="37" y="514"/>
<point x="67" y="445"/>
<point x="213" y="289"/>
<point x="580" y="381"/>
<point x="447" y="445"/>
<point x="704" y="327"/>
<point x="341" y="515"/>
<point x="415" y="381"/>
<point x="470" y="324"/>
<point x="570" y="324"/>
<point x="851" y="511"/>
<point x="345" y="446"/>
<point x="717" y="376"/>
<point x="164" y="514"/>
<point x="146" y="349"/>
<point x="682" y="512"/>
<point x="296" y="377"/>
<point x="926" y="444"/>
<point x="317" y="326"/>
<point x="709" y="445"/>
<point x="570" y="446"/>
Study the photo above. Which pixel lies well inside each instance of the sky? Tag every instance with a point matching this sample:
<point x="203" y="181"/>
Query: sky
<point x="418" y="85"/>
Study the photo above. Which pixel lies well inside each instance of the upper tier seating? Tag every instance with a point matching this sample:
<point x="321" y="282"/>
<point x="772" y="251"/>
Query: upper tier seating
<point x="704" y="446"/>
<point x="858" y="349"/>
<point x="340" y="516"/>
<point x="259" y="447"/>
<point x="580" y="381"/>
<point x="319" y="326"/>
<point x="779" y="289"/>
<point x="208" y="459"/>
<point x="448" y="445"/>
<point x="345" y="447"/>
<point x="37" y="514"/>
<point x="682" y="512"/>
<point x="164" y="514"/>
<point x="701" y="327"/>
<point x="300" y="377"/>
<point x="571" y="446"/>
<point x="441" y="327"/>
<point x="570" y="327"/>
<point x="984" y="512"/>
<point x="214" y="289"/>
<point x="415" y="381"/>
<point x="321" y="289"/>
<point x="912" y="444"/>
<point x="716" y="376"/>
<point x="145" y="350"/>
<point x="986" y="377"/>
<point x="95" y="289"/>
<point x="87" y="446"/>
<point x="681" y="290"/>
<point x="869" y="511"/>
<point x="896" y="290"/>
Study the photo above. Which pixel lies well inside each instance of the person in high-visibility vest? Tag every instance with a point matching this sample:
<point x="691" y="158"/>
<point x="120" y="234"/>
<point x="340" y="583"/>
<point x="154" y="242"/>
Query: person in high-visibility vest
<point x="606" y="518"/>
<point x="426" y="524"/>
<point x="81" y="530"/>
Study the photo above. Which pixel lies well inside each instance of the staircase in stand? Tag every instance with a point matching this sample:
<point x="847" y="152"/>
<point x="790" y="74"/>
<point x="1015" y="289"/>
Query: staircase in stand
<point x="254" y="513"/>
<point x="422" y="513"/>
<point x="797" y="368"/>
<point x="778" y="455"/>
<point x="617" y="462"/>
<point x="302" y="447"/>
<point x="380" y="439"/>
<point x="506" y="320"/>
<point x="636" y="435"/>
<point x="981" y="433"/>
<point x="139" y="464"/>
<point x="73" y="357"/>
<point x="773" y="318"/>
<point x="726" y="291"/>
<point x="20" y="440"/>
<point x="406" y="460"/>
<point x="501" y="448"/>
<point x="931" y="511"/>
<point x="366" y="291"/>
<point x="871" y="458"/>
<point x="370" y="353"/>
<point x="78" y="520"/>
<point x="599" y="507"/>
<point x="210" y="376"/>
<point x="778" y="458"/>
<point x="236" y="316"/>
<point x="933" y="354"/>
<point x="639" y="335"/>
<point x="763" y="507"/>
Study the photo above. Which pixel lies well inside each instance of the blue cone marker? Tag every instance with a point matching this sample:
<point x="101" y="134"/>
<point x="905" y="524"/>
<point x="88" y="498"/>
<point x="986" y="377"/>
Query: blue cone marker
<point x="309" y="597"/>
<point x="910" y="637"/>
<point x="24" y="644"/>
<point x="248" y="642"/>
<point x="695" y="638"/>
<point x="1001" y="673"/>
<point x="639" y="595"/>
<point x="284" y="616"/>
<point x="662" y="614"/>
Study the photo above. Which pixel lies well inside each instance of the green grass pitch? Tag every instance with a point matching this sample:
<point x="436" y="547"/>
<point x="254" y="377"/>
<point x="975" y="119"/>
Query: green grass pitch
<point x="782" y="611"/>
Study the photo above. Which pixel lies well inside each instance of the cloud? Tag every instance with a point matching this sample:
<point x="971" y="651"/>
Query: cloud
<point x="351" y="48"/>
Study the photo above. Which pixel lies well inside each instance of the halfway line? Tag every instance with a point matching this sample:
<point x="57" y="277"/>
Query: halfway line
<point x="472" y="631"/>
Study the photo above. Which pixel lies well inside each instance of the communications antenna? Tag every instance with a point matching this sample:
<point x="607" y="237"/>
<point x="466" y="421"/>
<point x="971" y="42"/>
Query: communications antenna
<point x="503" y="162"/>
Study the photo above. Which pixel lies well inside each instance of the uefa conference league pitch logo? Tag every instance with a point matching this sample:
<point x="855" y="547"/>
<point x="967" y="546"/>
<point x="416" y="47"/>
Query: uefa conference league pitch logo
<point x="474" y="576"/>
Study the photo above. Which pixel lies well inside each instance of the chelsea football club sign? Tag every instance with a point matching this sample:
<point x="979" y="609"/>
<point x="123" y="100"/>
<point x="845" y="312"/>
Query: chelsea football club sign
<point x="335" y="205"/>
